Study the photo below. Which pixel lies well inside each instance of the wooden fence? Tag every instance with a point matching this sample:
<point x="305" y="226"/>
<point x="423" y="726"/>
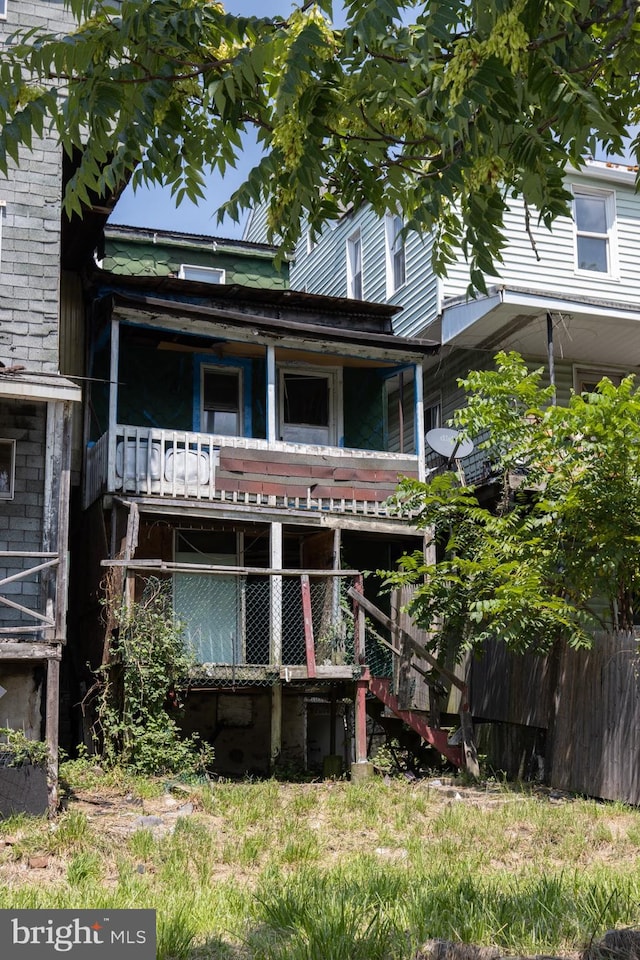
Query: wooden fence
<point x="588" y="701"/>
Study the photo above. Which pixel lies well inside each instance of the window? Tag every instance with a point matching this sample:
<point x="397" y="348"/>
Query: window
<point x="221" y="401"/>
<point x="594" y="216"/>
<point x="307" y="406"/>
<point x="3" y="9"/>
<point x="432" y="414"/>
<point x="586" y="380"/>
<point x="2" y="208"/>
<point x="7" y="469"/>
<point x="354" y="266"/>
<point x="400" y="413"/>
<point x="394" y="253"/>
<point x="191" y="271"/>
<point x="209" y="607"/>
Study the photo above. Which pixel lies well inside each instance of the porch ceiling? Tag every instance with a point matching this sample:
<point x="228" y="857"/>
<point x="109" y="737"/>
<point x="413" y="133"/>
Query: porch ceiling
<point x="584" y="330"/>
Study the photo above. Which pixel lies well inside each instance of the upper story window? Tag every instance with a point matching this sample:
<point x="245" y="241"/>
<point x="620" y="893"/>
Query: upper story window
<point x="191" y="271"/>
<point x="354" y="266"/>
<point x="594" y="217"/>
<point x="3" y="9"/>
<point x="221" y="401"/>
<point x="394" y="253"/>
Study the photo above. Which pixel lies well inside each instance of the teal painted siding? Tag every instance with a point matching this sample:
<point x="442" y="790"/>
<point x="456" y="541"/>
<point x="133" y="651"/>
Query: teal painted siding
<point x="146" y="253"/>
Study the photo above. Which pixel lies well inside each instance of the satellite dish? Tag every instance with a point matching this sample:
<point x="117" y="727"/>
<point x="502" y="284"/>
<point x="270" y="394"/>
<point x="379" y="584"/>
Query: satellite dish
<point x="448" y="443"/>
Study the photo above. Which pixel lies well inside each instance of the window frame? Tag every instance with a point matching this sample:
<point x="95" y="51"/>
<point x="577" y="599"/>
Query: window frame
<point x="205" y="271"/>
<point x="8" y="466"/>
<point x="586" y="374"/>
<point x="355" y="278"/>
<point x="393" y="237"/>
<point x="202" y="362"/>
<point x="334" y="379"/>
<point x="610" y="236"/>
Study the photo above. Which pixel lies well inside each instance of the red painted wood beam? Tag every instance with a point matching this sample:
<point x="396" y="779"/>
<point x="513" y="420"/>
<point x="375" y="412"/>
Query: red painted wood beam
<point x="437" y="738"/>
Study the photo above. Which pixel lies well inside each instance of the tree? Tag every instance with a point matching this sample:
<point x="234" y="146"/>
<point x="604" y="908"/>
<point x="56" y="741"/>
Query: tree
<point x="446" y="117"/>
<point x="557" y="551"/>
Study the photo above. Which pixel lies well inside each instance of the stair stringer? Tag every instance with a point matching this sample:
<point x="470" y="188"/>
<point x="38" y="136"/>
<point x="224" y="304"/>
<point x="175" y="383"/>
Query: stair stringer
<point x="438" y="739"/>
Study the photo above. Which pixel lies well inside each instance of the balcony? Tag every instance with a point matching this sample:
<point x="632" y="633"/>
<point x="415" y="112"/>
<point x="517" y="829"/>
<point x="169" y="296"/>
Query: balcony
<point x="179" y="465"/>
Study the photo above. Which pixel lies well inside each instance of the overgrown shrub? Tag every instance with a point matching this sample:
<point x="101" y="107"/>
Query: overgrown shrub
<point x="138" y="704"/>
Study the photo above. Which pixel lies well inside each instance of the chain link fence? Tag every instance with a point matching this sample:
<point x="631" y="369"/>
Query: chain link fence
<point x="251" y="624"/>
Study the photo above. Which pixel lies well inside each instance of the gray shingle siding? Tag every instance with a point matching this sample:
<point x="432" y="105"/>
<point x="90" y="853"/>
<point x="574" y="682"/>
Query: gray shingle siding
<point x="30" y="249"/>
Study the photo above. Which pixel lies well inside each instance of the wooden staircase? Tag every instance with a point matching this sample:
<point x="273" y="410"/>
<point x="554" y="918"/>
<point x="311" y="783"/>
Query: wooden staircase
<point x="381" y="688"/>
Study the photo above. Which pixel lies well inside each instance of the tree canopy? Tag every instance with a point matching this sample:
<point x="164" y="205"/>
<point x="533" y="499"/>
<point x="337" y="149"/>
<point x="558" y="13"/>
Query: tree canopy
<point x="556" y="553"/>
<point x="444" y="109"/>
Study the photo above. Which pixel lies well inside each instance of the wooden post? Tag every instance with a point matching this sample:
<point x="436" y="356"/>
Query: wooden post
<point x="113" y="407"/>
<point x="362" y="685"/>
<point x="276" y="595"/>
<point x="52" y="728"/>
<point x="276" y="643"/>
<point x="272" y="418"/>
<point x="309" y="645"/>
<point x="276" y="725"/>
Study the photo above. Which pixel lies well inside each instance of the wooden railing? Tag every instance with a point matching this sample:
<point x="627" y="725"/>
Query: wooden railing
<point x="180" y="464"/>
<point x="40" y="615"/>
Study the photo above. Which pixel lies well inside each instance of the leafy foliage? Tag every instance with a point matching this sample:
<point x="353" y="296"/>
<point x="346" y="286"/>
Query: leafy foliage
<point x="446" y="116"/>
<point x="556" y="552"/>
<point x="147" y="658"/>
<point x="19" y="749"/>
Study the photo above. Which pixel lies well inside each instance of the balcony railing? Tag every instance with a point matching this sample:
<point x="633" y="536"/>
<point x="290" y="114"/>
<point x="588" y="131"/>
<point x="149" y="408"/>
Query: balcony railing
<point x="251" y="625"/>
<point x="27" y="592"/>
<point x="179" y="464"/>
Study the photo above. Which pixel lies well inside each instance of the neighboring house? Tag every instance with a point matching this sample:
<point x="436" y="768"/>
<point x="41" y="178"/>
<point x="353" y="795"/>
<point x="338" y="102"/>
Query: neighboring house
<point x="35" y="433"/>
<point x="568" y="300"/>
<point x="241" y="442"/>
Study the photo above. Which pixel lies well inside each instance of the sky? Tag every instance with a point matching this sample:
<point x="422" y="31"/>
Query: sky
<point x="154" y="207"/>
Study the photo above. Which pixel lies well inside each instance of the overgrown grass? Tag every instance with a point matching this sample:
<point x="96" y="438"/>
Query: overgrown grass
<point x="365" y="871"/>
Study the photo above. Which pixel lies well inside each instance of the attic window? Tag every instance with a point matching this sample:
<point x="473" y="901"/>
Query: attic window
<point x="191" y="271"/>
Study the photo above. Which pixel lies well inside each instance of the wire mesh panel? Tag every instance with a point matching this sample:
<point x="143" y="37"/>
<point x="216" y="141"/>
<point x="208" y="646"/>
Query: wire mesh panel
<point x="249" y="619"/>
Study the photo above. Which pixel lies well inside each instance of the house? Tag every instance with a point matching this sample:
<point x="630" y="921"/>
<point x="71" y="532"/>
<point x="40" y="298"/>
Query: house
<point x="36" y="418"/>
<point x="240" y="444"/>
<point x="567" y="300"/>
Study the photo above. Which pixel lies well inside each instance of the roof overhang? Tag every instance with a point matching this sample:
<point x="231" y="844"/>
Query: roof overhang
<point x="198" y="319"/>
<point x="24" y="385"/>
<point x="584" y="329"/>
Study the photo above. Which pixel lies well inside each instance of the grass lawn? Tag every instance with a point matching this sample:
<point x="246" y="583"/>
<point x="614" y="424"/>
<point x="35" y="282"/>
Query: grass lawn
<point x="333" y="870"/>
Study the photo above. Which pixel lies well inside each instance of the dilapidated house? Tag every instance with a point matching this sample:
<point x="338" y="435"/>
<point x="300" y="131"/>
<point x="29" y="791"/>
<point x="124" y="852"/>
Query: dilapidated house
<point x="240" y="444"/>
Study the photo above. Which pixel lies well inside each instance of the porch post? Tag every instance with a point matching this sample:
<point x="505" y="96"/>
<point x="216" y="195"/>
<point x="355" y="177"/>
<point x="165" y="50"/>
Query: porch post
<point x="419" y="419"/>
<point x="52" y="724"/>
<point x="275" y="652"/>
<point x="113" y="405"/>
<point x="361" y="769"/>
<point x="272" y="419"/>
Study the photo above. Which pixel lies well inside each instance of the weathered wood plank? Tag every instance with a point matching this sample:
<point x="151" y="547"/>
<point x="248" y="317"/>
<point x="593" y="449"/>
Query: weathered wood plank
<point x="23" y="650"/>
